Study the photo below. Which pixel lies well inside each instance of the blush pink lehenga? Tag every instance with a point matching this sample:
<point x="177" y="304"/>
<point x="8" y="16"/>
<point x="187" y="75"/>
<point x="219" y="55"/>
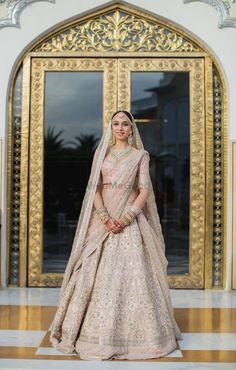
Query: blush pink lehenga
<point x="116" y="303"/>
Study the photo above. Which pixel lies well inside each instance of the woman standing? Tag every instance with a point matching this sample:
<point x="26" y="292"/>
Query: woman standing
<point x="114" y="299"/>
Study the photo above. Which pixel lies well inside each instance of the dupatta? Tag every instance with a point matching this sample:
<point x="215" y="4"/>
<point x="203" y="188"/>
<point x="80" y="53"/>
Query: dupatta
<point x="90" y="231"/>
<point x="80" y="242"/>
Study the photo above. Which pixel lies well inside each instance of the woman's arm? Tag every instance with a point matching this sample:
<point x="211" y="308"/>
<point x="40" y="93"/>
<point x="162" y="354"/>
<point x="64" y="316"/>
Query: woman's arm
<point x="141" y="198"/>
<point x="102" y="211"/>
<point x="131" y="211"/>
<point x="98" y="201"/>
<point x="143" y="181"/>
<point x="98" y="204"/>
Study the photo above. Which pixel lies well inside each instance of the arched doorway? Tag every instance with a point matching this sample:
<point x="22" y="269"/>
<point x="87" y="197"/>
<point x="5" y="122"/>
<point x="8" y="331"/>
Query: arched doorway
<point x="72" y="80"/>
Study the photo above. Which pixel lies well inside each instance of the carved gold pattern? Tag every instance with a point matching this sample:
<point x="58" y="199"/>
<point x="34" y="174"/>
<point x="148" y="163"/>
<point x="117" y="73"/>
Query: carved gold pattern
<point x="39" y="67"/>
<point x="24" y="172"/>
<point x="209" y="172"/>
<point x="119" y="31"/>
<point x="15" y="193"/>
<point x="195" y="67"/>
<point x="218" y="231"/>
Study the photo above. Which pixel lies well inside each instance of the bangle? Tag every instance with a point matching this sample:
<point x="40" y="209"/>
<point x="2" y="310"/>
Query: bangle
<point x="130" y="212"/>
<point x="134" y="209"/>
<point x="103" y="214"/>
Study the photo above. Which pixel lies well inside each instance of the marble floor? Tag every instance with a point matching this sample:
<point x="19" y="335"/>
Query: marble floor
<point x="207" y="320"/>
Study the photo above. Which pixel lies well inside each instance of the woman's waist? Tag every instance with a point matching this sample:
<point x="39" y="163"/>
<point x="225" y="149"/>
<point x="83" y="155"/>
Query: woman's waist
<point x="108" y="188"/>
<point x="117" y="185"/>
<point x="106" y="185"/>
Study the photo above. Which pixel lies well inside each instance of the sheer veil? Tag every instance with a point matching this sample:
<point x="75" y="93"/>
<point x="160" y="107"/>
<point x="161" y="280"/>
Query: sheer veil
<point x="149" y="209"/>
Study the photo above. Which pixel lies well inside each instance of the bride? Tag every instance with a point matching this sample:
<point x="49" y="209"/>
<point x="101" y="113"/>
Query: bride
<point x="115" y="300"/>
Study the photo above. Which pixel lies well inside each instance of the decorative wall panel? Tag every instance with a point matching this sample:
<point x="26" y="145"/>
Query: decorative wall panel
<point x="118" y="31"/>
<point x="10" y="11"/>
<point x="226" y="11"/>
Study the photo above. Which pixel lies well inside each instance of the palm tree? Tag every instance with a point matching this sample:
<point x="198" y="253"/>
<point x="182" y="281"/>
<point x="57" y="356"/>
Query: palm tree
<point x="85" y="145"/>
<point x="52" y="143"/>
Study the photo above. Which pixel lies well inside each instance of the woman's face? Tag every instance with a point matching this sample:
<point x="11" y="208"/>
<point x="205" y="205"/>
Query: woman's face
<point x="121" y="127"/>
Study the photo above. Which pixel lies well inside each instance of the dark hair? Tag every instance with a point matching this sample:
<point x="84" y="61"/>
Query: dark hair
<point x="125" y="112"/>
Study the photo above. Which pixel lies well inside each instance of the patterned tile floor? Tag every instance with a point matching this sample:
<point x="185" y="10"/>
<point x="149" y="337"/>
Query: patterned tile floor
<point x="207" y="320"/>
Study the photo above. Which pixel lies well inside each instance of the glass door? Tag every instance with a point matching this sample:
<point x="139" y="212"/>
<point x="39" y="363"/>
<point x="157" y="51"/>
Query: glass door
<point x="71" y="100"/>
<point x="166" y="97"/>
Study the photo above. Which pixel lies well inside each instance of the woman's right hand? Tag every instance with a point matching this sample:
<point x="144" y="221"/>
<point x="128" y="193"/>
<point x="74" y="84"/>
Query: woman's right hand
<point x="111" y="226"/>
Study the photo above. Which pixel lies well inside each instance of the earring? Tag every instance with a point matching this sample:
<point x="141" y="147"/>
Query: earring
<point x="130" y="139"/>
<point x="112" y="139"/>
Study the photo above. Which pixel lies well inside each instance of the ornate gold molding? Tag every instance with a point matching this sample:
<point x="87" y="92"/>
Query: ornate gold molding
<point x="23" y="239"/>
<point x="209" y="172"/>
<point x="118" y="31"/>
<point x="14" y="156"/>
<point x="173" y="41"/>
<point x="195" y="67"/>
<point x="219" y="178"/>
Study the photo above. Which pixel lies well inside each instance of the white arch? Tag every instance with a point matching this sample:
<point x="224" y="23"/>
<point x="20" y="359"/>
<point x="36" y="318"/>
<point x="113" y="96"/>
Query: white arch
<point x="15" y="42"/>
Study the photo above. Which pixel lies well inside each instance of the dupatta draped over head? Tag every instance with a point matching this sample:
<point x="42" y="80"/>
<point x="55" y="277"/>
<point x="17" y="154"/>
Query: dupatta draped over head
<point x="90" y="232"/>
<point x="149" y="209"/>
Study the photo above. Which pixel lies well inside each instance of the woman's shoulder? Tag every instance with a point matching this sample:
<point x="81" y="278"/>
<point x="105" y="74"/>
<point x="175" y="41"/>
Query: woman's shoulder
<point x="143" y="152"/>
<point x="144" y="156"/>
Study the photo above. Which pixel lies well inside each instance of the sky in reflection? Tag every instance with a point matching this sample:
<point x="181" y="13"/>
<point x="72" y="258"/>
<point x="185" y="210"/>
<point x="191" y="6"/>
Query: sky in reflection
<point x="73" y="103"/>
<point x="74" y="100"/>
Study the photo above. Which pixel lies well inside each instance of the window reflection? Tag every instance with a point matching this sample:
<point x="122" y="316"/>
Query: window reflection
<point x="72" y="131"/>
<point x="160" y="104"/>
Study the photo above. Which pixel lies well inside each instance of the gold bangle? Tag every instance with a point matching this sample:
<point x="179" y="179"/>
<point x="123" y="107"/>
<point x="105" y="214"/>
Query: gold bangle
<point x="103" y="214"/>
<point x="126" y="219"/>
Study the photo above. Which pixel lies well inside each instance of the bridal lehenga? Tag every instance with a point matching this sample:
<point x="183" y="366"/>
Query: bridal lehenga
<point x="114" y="300"/>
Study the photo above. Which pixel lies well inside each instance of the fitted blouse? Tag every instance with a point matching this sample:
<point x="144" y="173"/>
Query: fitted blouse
<point x="142" y="177"/>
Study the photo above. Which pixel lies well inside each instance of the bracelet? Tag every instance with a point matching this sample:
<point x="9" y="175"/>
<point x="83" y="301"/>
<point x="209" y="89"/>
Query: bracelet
<point x="103" y="214"/>
<point x="131" y="211"/>
<point x="136" y="210"/>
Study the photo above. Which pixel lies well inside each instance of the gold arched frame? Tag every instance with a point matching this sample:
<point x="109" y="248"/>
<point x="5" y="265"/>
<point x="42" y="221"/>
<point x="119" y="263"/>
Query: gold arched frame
<point x="201" y="51"/>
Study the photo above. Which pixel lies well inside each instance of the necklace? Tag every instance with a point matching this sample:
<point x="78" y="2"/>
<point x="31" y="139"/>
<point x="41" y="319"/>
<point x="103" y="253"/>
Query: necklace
<point x="119" y="154"/>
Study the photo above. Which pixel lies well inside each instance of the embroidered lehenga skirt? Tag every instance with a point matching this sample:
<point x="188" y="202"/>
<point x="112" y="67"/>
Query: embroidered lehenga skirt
<point x="121" y="313"/>
<point x="117" y="303"/>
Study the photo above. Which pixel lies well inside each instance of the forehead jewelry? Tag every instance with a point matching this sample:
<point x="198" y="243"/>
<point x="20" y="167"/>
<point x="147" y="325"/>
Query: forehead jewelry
<point x="123" y="114"/>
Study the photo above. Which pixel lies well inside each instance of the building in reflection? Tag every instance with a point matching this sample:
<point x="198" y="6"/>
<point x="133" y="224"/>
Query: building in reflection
<point x="162" y="113"/>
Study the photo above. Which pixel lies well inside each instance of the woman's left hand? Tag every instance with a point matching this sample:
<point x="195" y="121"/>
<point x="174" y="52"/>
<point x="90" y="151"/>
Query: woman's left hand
<point x="120" y="223"/>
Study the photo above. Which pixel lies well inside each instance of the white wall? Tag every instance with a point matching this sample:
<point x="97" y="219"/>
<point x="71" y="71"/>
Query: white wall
<point x="198" y="18"/>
